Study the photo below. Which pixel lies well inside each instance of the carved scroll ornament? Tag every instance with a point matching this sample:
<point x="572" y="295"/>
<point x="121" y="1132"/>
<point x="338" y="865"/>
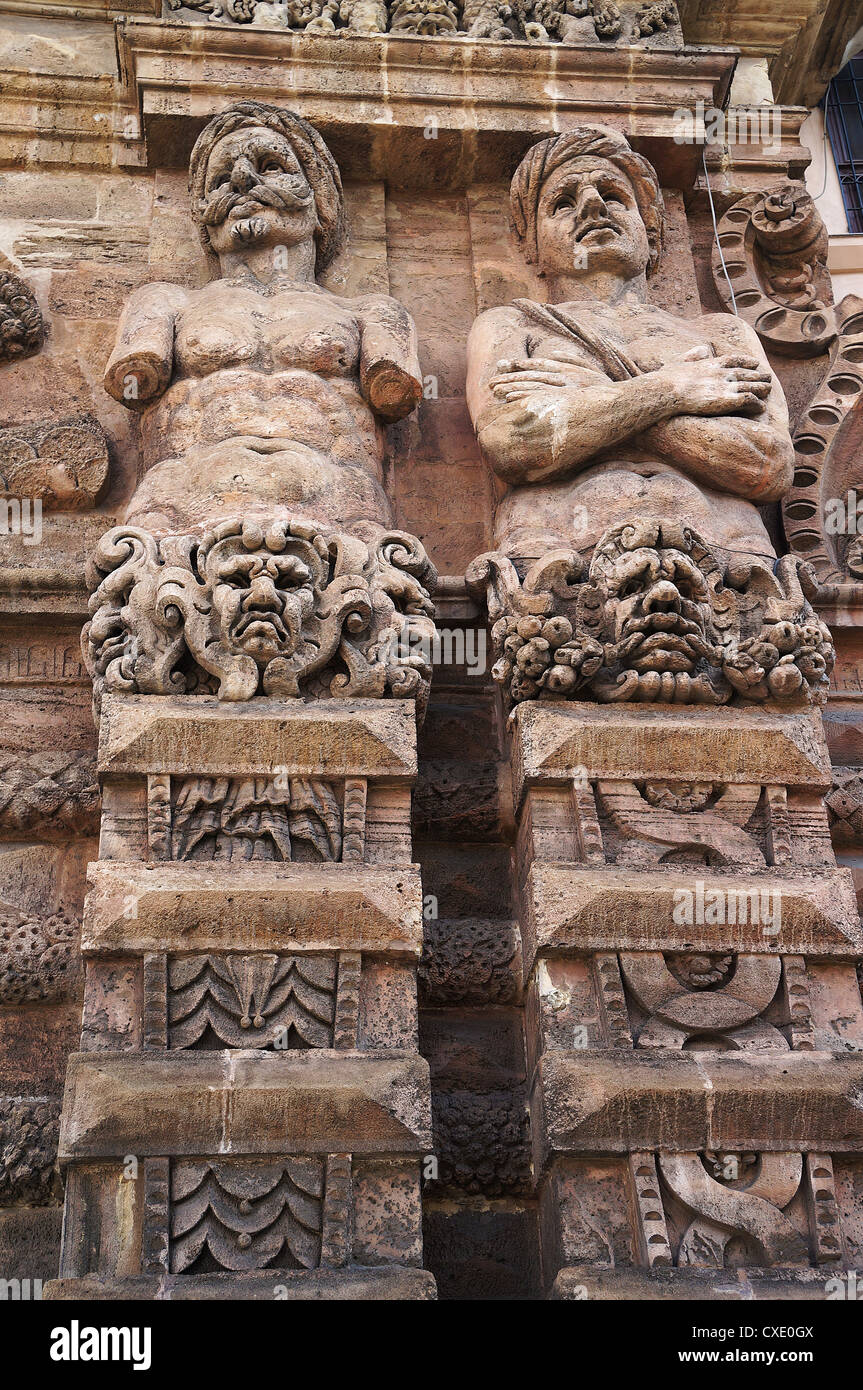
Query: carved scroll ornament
<point x="292" y="611"/>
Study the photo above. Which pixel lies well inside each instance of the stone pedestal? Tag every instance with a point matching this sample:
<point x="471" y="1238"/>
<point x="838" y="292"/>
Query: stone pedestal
<point x="694" y="1026"/>
<point x="248" y="1111"/>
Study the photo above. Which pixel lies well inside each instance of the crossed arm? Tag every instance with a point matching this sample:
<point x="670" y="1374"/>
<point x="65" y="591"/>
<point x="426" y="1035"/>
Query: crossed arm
<point x="720" y="416"/>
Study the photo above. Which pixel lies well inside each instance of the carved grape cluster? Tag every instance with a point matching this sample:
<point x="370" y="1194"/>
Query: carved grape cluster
<point x="539" y="656"/>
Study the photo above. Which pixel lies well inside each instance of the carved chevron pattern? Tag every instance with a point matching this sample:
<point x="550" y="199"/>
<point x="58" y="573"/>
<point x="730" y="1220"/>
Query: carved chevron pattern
<point x="242" y="1216"/>
<point x="251" y="1001"/>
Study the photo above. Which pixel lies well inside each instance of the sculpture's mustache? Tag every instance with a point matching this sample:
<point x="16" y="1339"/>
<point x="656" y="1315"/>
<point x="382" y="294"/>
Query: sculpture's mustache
<point x="221" y="203"/>
<point x="263" y="617"/>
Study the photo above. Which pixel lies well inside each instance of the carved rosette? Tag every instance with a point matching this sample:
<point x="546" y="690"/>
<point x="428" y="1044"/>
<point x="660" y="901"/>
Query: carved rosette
<point x="293" y="610"/>
<point x="654" y="618"/>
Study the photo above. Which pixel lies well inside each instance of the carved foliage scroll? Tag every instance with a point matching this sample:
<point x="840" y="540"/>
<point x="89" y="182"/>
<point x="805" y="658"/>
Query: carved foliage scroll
<point x="290" y="611"/>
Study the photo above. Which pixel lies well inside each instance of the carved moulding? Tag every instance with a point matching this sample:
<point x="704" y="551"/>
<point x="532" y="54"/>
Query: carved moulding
<point x="774" y="246"/>
<point x="654" y="618"/>
<point x="220" y="818"/>
<point x="65" y="464"/>
<point x="243" y="1216"/>
<point x="736" y="1198"/>
<point x="725" y="1205"/>
<point x="51" y="792"/>
<point x="22" y="329"/>
<point x="256" y="1000"/>
<point x="291" y="611"/>
<point x="716" y="998"/>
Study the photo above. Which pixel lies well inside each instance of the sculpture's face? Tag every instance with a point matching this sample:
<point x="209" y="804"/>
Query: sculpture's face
<point x="261" y="602"/>
<point x="256" y="193"/>
<point x="658" y="606"/>
<point x="588" y="219"/>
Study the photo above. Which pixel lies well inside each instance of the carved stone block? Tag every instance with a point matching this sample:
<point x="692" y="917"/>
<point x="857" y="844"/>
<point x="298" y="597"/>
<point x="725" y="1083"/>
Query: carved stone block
<point x="22" y="328"/>
<point x="244" y="1103"/>
<point x="684" y="631"/>
<point x="65" y="464"/>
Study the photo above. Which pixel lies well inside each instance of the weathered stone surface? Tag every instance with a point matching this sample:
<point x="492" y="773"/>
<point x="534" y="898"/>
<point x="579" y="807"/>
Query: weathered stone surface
<point x="469" y="961"/>
<point x="381" y="101"/>
<point x="22" y="329"/>
<point x="202" y="736"/>
<point x="244" y="1103"/>
<point x="481" y="1141"/>
<point x="694" y="1285"/>
<point x="587" y="1102"/>
<point x="251" y="948"/>
<point x="581" y="908"/>
<point x="304" y="906"/>
<point x="752" y="745"/>
<point x="28" y="1150"/>
<point x="371" y="1285"/>
<point x="48" y="792"/>
<point x="64" y="464"/>
<point x="30" y="1245"/>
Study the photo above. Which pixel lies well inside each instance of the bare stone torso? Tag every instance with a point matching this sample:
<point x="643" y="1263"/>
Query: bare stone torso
<point x="264" y="413"/>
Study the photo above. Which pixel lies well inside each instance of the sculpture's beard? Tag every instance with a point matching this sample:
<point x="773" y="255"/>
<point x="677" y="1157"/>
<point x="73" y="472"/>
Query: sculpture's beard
<point x="219" y="206"/>
<point x="662" y="642"/>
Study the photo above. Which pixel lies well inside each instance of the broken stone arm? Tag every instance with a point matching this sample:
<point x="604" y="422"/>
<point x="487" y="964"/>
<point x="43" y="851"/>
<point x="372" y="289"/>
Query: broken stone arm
<point x="140" y="368"/>
<point x="390" y="375"/>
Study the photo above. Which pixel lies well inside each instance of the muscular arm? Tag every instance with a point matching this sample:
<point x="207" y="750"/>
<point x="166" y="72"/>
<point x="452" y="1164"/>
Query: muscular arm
<point x="139" y="369"/>
<point x="554" y="429"/>
<point x="750" y="456"/>
<point x="389" y="367"/>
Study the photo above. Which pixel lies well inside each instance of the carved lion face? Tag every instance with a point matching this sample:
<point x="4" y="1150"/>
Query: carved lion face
<point x="588" y="219"/>
<point x="657" y="609"/>
<point x="256" y="193"/>
<point x="261" y="602"/>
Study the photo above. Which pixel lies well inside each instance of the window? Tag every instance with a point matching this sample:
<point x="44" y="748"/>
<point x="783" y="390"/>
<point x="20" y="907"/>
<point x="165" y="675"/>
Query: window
<point x="844" y="118"/>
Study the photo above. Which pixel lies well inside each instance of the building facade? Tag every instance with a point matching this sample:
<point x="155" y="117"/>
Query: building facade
<point x="434" y="872"/>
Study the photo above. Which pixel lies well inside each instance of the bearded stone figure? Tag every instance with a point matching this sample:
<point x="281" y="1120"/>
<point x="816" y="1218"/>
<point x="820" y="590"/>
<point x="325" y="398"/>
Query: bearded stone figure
<point x="264" y="400"/>
<point x="602" y="411"/>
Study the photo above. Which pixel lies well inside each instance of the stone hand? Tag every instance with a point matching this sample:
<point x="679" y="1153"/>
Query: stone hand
<point x="732" y="384"/>
<point x="516" y="378"/>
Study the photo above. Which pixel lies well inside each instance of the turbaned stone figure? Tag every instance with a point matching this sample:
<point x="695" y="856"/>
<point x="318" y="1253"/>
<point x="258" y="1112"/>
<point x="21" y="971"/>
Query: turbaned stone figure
<point x="632" y="562"/>
<point x="259" y="548"/>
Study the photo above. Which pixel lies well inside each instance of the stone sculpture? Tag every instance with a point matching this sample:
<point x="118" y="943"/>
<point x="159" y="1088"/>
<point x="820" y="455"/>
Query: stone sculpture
<point x="261" y="533"/>
<point x="638" y="438"/>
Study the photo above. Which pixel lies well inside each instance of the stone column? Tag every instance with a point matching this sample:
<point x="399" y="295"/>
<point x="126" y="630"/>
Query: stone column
<point x="693" y="1016"/>
<point x="695" y="1023"/>
<point x="247" y="1113"/>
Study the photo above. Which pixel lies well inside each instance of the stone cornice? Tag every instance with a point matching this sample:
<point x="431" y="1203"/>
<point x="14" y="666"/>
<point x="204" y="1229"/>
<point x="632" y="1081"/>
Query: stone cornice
<point x="376" y="98"/>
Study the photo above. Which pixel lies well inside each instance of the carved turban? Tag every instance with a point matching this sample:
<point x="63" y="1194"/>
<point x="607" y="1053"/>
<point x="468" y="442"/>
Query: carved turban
<point x="312" y="154"/>
<point x="543" y="159"/>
